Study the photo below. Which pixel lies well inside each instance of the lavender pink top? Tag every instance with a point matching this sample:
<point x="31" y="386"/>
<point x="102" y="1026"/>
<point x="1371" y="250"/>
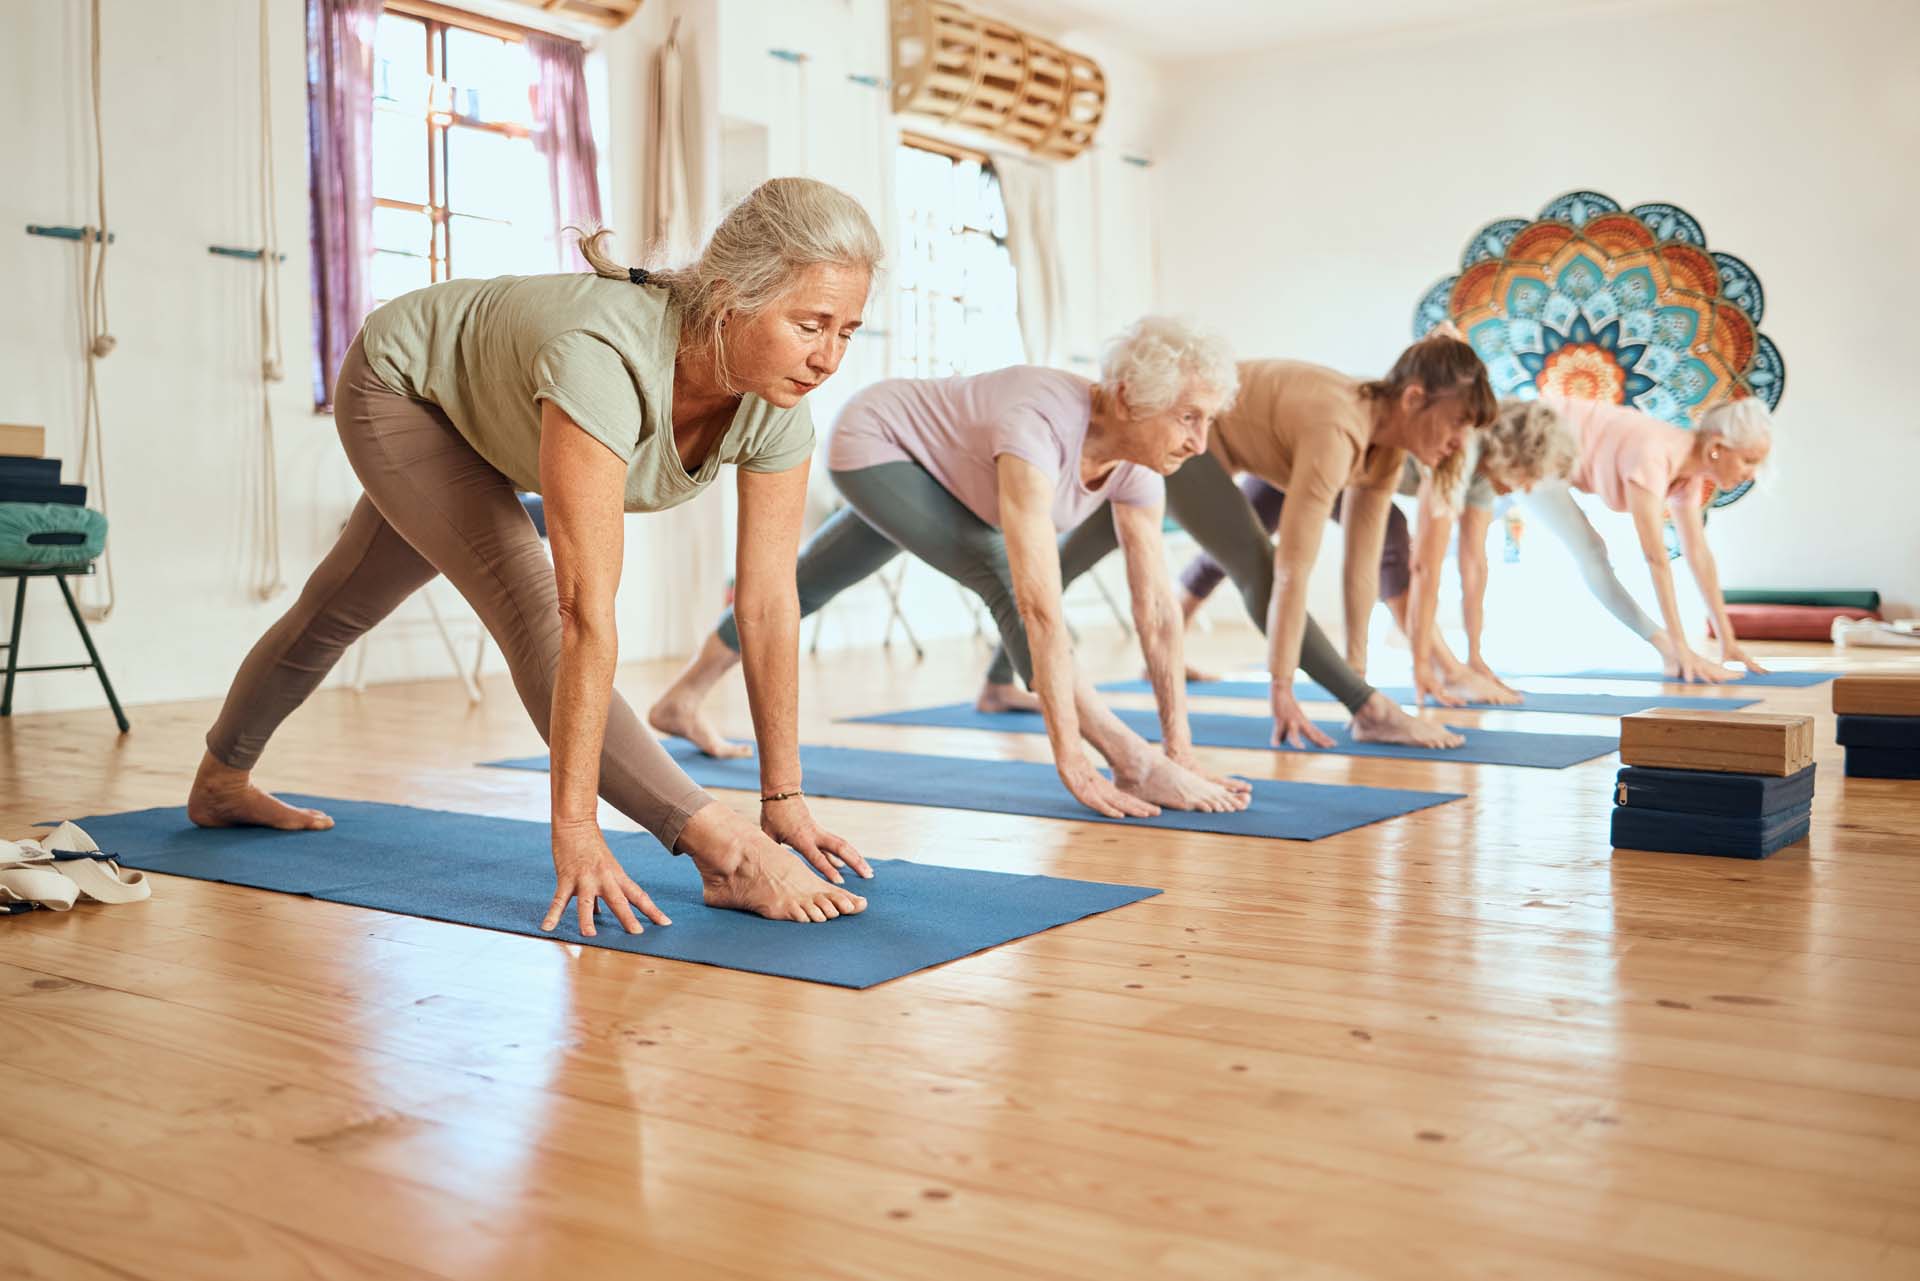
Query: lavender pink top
<point x="957" y="428"/>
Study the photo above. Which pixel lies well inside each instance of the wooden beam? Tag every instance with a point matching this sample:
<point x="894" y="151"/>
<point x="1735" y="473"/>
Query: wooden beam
<point x="951" y="150"/>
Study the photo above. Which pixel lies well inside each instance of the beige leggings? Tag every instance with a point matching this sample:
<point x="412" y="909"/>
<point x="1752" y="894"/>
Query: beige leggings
<point x="434" y="506"/>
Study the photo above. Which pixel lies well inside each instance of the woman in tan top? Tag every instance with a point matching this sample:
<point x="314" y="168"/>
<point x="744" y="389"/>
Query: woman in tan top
<point x="607" y="393"/>
<point x="1315" y="433"/>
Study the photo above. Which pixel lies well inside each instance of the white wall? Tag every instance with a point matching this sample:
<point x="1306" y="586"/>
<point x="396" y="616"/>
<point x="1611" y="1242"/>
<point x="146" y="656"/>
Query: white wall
<point x="180" y="394"/>
<point x="1310" y="195"/>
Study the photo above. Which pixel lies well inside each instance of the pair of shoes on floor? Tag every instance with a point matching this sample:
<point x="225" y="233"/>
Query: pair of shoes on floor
<point x="59" y="870"/>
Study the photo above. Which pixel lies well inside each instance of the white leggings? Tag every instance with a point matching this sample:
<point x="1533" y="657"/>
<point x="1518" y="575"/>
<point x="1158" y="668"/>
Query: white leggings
<point x="1554" y="507"/>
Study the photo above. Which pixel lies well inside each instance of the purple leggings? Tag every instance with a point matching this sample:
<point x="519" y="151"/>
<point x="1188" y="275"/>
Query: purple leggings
<point x="1203" y="573"/>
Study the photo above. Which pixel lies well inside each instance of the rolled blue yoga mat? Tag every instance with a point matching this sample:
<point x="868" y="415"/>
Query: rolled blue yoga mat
<point x="497" y="874"/>
<point x="1290" y="811"/>
<point x="1210" y="729"/>
<point x="1791" y="679"/>
<point x="1575" y="704"/>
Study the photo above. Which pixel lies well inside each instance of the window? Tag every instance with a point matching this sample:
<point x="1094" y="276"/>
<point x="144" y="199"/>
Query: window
<point x="459" y="189"/>
<point x="954" y="285"/>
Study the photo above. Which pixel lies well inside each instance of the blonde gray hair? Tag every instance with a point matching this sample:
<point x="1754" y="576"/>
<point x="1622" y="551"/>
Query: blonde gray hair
<point x="1744" y="424"/>
<point x="1153" y="357"/>
<point x="1527" y="443"/>
<point x="762" y="245"/>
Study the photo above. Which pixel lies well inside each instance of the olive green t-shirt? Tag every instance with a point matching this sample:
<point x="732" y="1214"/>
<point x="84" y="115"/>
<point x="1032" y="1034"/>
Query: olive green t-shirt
<point x="487" y="352"/>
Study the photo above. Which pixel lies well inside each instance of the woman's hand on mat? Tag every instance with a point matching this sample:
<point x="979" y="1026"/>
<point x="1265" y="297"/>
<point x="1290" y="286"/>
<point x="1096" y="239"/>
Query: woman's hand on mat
<point x="1099" y="793"/>
<point x="1685" y="665"/>
<point x="1163" y="781"/>
<point x="1429" y="683"/>
<point x="1291" y="725"/>
<point x="588" y="873"/>
<point x="790" y="823"/>
<point x="1491" y="679"/>
<point x="1732" y="653"/>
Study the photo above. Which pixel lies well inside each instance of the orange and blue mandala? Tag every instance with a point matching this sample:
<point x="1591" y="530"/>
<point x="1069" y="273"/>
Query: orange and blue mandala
<point x="1596" y="302"/>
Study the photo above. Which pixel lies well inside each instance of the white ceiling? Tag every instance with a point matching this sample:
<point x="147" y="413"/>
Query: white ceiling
<point x="1181" y="29"/>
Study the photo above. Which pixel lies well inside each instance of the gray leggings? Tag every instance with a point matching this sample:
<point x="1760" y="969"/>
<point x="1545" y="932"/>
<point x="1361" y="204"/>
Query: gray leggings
<point x="1203" y="498"/>
<point x="895" y="507"/>
<point x="1554" y="507"/>
<point x="434" y="506"/>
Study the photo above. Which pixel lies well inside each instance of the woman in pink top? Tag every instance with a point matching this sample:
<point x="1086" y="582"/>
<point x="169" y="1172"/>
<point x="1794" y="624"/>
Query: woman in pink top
<point x="1637" y="464"/>
<point x="977" y="476"/>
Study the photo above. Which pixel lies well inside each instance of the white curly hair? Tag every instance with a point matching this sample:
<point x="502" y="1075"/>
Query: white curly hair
<point x="1153" y="358"/>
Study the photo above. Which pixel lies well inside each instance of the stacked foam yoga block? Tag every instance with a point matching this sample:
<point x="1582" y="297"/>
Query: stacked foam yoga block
<point x="1734" y="784"/>
<point x="1879" y="724"/>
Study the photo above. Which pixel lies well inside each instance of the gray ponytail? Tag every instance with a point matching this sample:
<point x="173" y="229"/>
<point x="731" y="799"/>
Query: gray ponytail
<point x="781" y="228"/>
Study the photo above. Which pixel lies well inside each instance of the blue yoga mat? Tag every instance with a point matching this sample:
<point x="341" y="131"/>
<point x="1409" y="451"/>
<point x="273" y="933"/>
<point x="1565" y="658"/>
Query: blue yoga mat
<point x="497" y="874"/>
<point x="1291" y="811"/>
<point x="1794" y="679"/>
<point x="1577" y="704"/>
<point x="1210" y="729"/>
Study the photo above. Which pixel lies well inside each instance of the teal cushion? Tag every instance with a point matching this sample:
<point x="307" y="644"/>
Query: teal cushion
<point x="50" y="534"/>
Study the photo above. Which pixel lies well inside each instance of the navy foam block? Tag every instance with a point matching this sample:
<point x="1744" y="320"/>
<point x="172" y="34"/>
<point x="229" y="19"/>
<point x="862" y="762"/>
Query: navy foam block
<point x="1693" y="791"/>
<point x="1213" y="729"/>
<point x="1789" y="679"/>
<point x="1286" y="810"/>
<point x="1574" y="704"/>
<point x="1900" y="732"/>
<point x="1883" y="762"/>
<point x="1671" y="832"/>
<point x="497" y="874"/>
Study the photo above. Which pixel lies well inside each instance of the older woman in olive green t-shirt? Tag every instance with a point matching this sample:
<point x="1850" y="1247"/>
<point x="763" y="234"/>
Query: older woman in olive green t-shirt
<point x="607" y="393"/>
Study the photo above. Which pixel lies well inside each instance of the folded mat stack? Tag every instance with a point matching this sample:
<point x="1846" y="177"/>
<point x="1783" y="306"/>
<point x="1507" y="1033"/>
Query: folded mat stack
<point x="1767" y="613"/>
<point x="36" y="480"/>
<point x="1879" y="724"/>
<point x="1735" y="784"/>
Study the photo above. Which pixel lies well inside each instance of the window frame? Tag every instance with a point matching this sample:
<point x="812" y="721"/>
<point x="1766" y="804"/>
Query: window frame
<point x="439" y="120"/>
<point x="922" y="360"/>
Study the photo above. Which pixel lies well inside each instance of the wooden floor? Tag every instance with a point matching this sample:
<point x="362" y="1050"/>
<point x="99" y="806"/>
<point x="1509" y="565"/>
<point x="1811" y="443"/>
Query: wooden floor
<point x="1468" y="1043"/>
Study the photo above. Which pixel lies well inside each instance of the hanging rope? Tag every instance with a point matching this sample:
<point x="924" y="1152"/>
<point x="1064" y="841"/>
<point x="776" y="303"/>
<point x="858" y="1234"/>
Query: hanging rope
<point x="98" y="341"/>
<point x="269" y="582"/>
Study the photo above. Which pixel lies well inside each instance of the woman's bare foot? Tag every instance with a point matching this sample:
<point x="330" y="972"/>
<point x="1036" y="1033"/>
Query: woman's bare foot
<point x="685" y="719"/>
<point x="1475" y="688"/>
<point x="1006" y="698"/>
<point x="1381" y="720"/>
<point x="680" y="710"/>
<point x="742" y="870"/>
<point x="1172" y="786"/>
<point x="223" y="796"/>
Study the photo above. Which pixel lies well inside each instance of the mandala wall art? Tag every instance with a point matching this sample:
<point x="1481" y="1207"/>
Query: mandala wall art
<point x="1597" y="302"/>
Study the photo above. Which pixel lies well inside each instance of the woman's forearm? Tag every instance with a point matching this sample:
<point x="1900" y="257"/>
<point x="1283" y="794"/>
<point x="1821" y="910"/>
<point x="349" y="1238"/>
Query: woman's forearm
<point x="1286" y="620"/>
<point x="769" y="655"/>
<point x="1163" y="645"/>
<point x="1053" y="682"/>
<point x="577" y="727"/>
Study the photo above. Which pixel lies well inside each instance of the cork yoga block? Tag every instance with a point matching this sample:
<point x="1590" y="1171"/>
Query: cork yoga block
<point x="1893" y="694"/>
<point x="1725" y="742"/>
<point x="22" y="441"/>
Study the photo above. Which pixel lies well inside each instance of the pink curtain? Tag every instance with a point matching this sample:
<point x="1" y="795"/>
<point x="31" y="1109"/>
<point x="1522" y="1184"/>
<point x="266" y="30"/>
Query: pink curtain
<point x="564" y="134"/>
<point x="340" y="175"/>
